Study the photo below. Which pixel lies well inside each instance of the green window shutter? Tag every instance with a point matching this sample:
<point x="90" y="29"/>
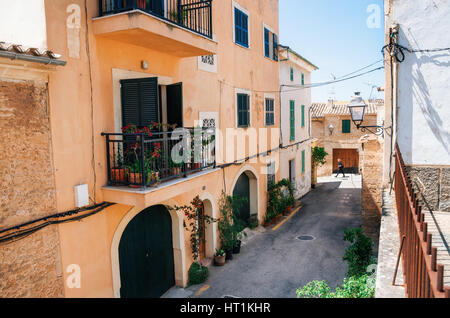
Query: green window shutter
<point x="292" y="74"/>
<point x="346" y="126"/>
<point x="292" y="119"/>
<point x="243" y="109"/>
<point x="303" y="79"/>
<point x="139" y="101"/>
<point x="303" y="161"/>
<point x="303" y="116"/>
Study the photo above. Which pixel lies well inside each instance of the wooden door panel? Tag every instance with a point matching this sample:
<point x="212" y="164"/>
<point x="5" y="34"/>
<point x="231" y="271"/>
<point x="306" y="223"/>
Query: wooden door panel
<point x="349" y="157"/>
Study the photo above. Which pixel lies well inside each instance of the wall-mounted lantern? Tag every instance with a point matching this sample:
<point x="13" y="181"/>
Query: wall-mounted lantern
<point x="331" y="128"/>
<point x="357" y="108"/>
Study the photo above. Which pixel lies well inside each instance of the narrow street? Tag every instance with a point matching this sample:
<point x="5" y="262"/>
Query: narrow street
<point x="273" y="264"/>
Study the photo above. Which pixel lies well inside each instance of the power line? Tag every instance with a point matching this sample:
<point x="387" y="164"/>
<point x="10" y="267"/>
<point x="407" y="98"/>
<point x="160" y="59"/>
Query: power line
<point x="312" y="85"/>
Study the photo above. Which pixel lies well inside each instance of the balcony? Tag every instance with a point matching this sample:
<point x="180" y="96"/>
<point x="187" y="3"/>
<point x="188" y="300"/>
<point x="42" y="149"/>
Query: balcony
<point x="147" y="159"/>
<point x="179" y="27"/>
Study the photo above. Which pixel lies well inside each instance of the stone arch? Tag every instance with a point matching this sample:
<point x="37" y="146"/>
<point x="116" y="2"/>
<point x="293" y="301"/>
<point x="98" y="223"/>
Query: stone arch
<point x="211" y="229"/>
<point x="177" y="244"/>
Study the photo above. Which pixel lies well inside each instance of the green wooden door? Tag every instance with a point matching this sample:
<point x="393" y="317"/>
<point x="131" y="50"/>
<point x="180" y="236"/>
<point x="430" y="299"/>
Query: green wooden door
<point x="146" y="255"/>
<point x="242" y="189"/>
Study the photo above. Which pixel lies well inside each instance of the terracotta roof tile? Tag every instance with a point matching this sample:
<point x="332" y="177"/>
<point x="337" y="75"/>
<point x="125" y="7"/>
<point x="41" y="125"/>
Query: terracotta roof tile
<point x="21" y="49"/>
<point x="320" y="110"/>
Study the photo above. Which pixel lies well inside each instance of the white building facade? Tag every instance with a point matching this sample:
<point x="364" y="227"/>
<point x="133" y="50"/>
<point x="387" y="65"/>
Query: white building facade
<point x="295" y="120"/>
<point x="417" y="94"/>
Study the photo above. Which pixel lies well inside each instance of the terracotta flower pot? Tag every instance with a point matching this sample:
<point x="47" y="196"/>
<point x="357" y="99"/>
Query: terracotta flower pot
<point x="274" y="220"/>
<point x="136" y="179"/>
<point x="288" y="210"/>
<point x="219" y="260"/>
<point x="118" y="175"/>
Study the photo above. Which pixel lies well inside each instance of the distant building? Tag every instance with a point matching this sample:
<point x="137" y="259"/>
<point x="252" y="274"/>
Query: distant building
<point x="295" y="125"/>
<point x="334" y="130"/>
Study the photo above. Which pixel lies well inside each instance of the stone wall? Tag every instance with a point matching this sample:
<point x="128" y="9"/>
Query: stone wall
<point x="434" y="184"/>
<point x="29" y="267"/>
<point x="372" y="186"/>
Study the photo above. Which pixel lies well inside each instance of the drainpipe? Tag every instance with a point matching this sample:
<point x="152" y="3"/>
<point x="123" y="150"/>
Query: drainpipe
<point x="32" y="58"/>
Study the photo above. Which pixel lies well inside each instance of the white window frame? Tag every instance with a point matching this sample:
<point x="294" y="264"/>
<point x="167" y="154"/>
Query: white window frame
<point x="249" y="93"/>
<point x="239" y="7"/>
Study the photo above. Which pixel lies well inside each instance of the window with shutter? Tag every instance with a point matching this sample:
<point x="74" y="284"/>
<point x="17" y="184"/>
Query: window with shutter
<point x="275" y="47"/>
<point x="303" y="116"/>
<point x="241" y="27"/>
<point x="270" y="112"/>
<point x="243" y="109"/>
<point x="139" y="101"/>
<point x="292" y="74"/>
<point x="292" y="119"/>
<point x="303" y="161"/>
<point x="303" y="79"/>
<point x="346" y="126"/>
<point x="266" y="43"/>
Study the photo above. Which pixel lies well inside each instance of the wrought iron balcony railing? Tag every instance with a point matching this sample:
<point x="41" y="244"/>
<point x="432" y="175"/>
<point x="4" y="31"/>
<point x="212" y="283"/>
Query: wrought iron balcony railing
<point x="146" y="159"/>
<point x="194" y="15"/>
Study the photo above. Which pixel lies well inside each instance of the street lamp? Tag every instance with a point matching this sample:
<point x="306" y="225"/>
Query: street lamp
<point x="357" y="108"/>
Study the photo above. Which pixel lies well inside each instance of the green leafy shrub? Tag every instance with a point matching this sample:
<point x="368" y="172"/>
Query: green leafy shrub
<point x="359" y="283"/>
<point x="359" y="254"/>
<point x="229" y="225"/>
<point x="314" y="289"/>
<point x="318" y="156"/>
<point x="353" y="287"/>
<point x="198" y="274"/>
<point x="253" y="222"/>
<point x="280" y="196"/>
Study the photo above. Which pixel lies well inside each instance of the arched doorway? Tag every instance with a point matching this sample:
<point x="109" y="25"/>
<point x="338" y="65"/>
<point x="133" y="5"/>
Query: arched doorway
<point x="245" y="187"/>
<point x="146" y="255"/>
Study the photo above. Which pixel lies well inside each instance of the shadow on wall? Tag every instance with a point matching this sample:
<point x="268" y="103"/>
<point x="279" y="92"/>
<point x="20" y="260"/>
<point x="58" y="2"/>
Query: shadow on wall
<point x="413" y="88"/>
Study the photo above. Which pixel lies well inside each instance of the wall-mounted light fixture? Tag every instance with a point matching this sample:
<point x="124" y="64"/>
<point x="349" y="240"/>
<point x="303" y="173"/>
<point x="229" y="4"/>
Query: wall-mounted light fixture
<point x="331" y="128"/>
<point x="357" y="108"/>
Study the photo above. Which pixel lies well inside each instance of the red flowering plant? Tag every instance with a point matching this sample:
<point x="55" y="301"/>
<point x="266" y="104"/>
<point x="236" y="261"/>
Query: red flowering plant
<point x="196" y="223"/>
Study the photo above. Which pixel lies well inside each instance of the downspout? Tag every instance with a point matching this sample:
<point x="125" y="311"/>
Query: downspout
<point x="32" y="58"/>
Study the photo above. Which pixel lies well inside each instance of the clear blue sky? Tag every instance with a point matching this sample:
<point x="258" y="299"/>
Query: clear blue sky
<point x="334" y="35"/>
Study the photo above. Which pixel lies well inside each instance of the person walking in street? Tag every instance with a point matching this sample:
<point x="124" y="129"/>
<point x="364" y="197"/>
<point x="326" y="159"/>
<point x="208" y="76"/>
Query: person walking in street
<point x="341" y="168"/>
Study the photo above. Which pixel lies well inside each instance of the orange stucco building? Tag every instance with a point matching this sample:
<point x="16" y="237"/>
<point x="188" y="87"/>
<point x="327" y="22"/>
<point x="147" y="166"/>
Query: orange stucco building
<point x="202" y="66"/>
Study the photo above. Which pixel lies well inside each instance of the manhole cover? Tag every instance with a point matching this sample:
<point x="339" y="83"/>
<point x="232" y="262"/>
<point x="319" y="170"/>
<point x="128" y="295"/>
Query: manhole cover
<point x="306" y="238"/>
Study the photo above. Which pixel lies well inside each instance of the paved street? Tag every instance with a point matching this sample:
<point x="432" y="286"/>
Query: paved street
<point x="273" y="264"/>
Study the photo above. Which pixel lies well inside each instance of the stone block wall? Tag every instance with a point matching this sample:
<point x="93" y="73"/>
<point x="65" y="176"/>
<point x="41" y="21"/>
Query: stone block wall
<point x="434" y="184"/>
<point x="29" y="267"/>
<point x="371" y="160"/>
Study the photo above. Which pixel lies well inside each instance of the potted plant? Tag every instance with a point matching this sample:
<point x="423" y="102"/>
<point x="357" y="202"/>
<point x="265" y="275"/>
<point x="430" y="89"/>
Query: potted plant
<point x="119" y="173"/>
<point x="135" y="174"/>
<point x="219" y="258"/>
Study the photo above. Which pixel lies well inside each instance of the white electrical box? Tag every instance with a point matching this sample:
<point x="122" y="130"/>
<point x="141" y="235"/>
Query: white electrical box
<point x="81" y="195"/>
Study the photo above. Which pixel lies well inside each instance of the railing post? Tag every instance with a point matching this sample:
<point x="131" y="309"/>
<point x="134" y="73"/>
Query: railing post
<point x="108" y="160"/>
<point x="179" y="11"/>
<point x="210" y="20"/>
<point x="185" y="153"/>
<point x="142" y="163"/>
